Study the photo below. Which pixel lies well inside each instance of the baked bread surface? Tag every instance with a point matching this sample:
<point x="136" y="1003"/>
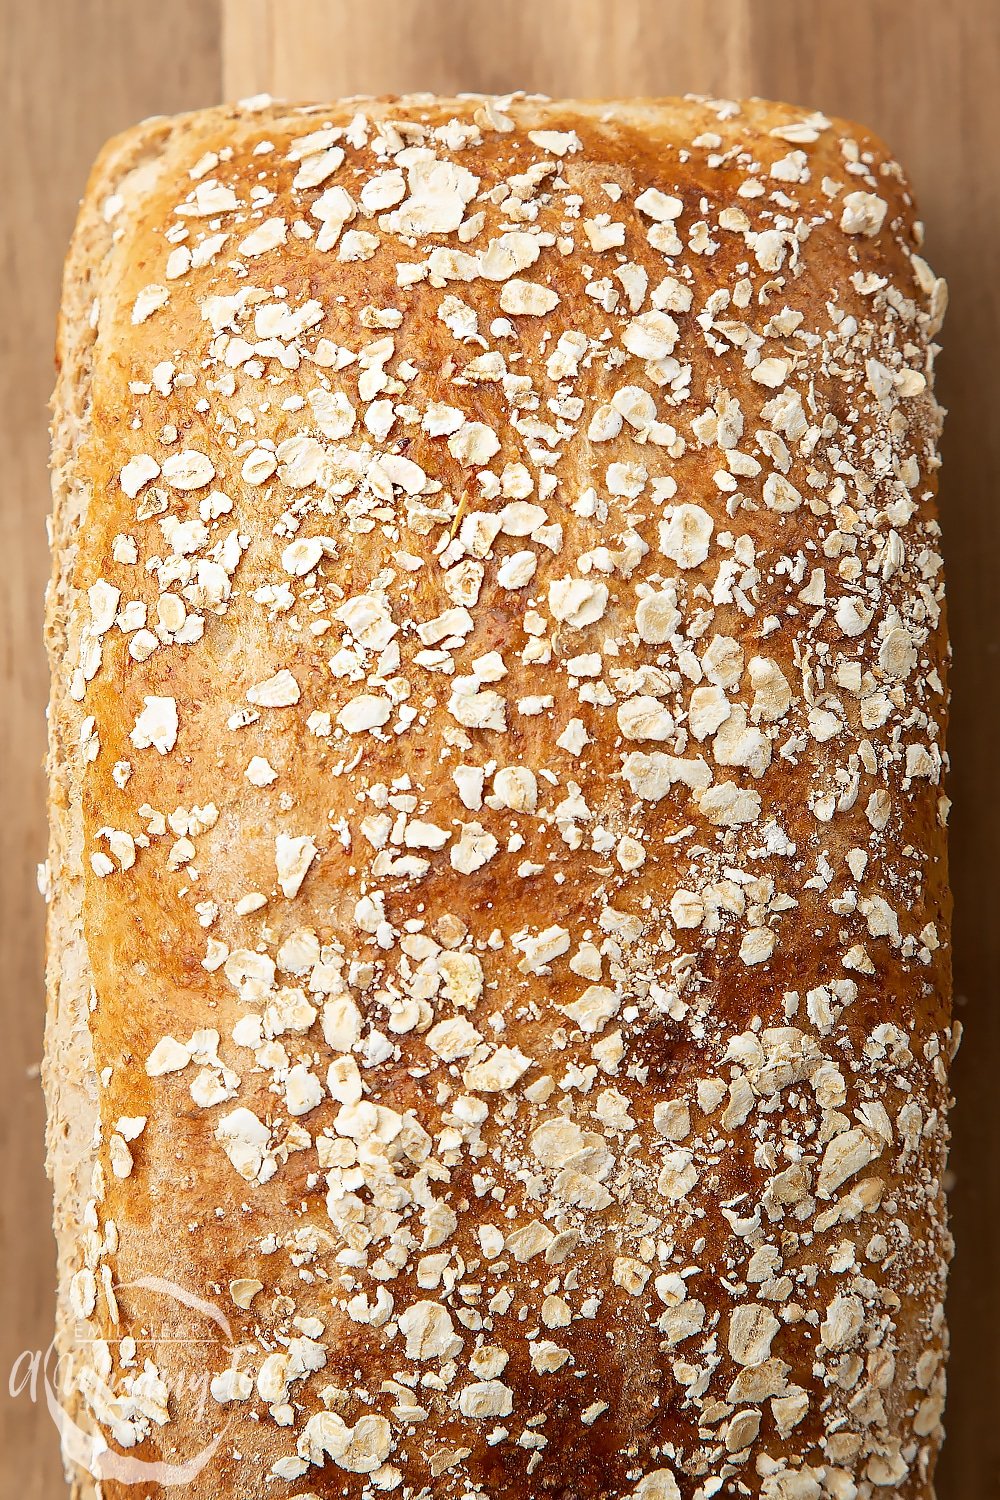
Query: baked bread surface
<point x="499" y="944"/>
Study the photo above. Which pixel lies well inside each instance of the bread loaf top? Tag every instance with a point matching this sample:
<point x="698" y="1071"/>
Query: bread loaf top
<point x="503" y="659"/>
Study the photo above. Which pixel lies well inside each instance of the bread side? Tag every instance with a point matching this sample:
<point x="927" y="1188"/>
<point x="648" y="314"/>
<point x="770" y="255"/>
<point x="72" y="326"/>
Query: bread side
<point x="498" y="861"/>
<point x="69" y="1075"/>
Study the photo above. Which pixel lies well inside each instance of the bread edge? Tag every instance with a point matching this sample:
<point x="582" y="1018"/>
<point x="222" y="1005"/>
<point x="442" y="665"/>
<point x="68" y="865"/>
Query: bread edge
<point x="69" y="1076"/>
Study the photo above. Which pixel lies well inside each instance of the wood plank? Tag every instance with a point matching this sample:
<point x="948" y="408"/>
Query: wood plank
<point x="71" y="76"/>
<point x="314" y="49"/>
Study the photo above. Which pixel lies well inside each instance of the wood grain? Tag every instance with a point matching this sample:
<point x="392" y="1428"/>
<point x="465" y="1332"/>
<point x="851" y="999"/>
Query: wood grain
<point x="311" y="49"/>
<point x="925" y="74"/>
<point x="71" y="76"/>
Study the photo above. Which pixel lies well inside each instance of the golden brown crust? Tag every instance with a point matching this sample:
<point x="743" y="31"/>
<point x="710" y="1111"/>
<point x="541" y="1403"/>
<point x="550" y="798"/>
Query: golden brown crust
<point x="69" y="1076"/>
<point x="501" y="675"/>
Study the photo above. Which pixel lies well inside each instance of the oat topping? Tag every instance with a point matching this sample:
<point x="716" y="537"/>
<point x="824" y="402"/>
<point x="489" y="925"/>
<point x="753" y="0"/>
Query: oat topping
<point x="508" y="649"/>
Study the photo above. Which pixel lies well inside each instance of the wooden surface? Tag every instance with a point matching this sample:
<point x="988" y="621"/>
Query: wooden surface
<point x="925" y="73"/>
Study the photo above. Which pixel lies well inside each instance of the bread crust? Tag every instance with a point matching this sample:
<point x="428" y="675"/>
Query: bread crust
<point x="498" y="874"/>
<point x="69" y="1076"/>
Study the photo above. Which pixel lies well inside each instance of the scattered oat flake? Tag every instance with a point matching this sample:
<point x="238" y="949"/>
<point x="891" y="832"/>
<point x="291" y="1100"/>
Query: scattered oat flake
<point x="149" y="301"/>
<point x="189" y="470"/>
<point x="279" y="691"/>
<point x="156" y="725"/>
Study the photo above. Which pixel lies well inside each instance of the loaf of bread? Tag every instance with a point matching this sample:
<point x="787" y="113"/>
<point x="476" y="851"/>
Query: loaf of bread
<point x="499" y="930"/>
